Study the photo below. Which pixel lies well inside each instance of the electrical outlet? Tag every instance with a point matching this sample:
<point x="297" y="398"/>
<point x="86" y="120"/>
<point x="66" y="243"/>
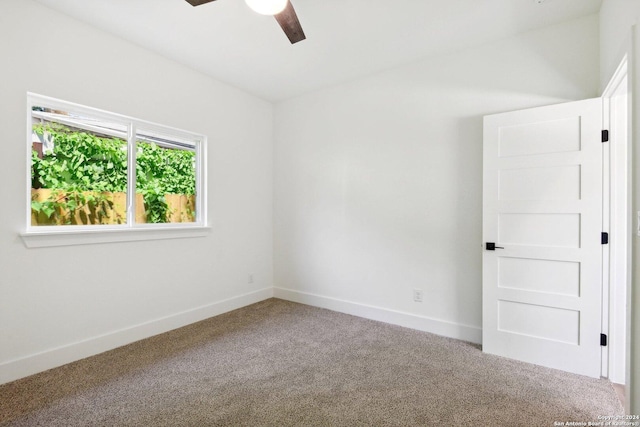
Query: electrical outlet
<point x="250" y="278"/>
<point x="417" y="295"/>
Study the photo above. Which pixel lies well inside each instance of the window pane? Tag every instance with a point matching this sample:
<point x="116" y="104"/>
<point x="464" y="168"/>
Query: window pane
<point x="165" y="178"/>
<point x="78" y="170"/>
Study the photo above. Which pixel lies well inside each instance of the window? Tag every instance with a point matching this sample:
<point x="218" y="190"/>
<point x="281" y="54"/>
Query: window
<point x="93" y="171"/>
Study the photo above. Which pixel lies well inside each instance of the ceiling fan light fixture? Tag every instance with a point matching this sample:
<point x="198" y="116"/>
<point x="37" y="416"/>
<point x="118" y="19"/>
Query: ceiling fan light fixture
<point x="267" y="7"/>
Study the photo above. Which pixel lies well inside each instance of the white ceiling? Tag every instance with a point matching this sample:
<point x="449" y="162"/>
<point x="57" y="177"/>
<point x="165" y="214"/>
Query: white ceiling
<point x="346" y="39"/>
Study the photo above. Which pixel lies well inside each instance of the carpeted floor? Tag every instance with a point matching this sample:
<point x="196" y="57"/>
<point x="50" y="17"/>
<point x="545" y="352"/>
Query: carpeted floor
<point x="278" y="363"/>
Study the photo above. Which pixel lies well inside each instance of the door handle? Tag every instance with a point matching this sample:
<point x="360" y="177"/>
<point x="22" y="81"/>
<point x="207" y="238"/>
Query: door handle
<point x="490" y="246"/>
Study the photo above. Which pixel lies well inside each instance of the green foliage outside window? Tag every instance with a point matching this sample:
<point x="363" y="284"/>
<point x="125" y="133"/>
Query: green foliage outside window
<point x="83" y="165"/>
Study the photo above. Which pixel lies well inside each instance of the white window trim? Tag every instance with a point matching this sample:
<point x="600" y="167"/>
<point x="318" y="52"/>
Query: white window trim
<point x="36" y="239"/>
<point x="48" y="236"/>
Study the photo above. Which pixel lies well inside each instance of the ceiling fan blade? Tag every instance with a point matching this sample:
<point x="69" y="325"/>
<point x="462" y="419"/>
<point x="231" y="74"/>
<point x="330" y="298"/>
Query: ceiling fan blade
<point x="198" y="2"/>
<point x="290" y="24"/>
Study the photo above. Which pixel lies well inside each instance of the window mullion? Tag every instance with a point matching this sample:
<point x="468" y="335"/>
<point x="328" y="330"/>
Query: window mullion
<point x="131" y="175"/>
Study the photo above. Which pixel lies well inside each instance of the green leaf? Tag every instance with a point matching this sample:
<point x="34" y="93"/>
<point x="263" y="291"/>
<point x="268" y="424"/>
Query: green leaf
<point x="48" y="210"/>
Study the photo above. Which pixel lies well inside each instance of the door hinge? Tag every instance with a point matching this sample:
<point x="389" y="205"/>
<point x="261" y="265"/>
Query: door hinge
<point x="604" y="238"/>
<point x="603" y="340"/>
<point x="605" y="135"/>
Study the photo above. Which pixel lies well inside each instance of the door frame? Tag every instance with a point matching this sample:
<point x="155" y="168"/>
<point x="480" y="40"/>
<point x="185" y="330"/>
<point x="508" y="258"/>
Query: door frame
<point x="617" y="170"/>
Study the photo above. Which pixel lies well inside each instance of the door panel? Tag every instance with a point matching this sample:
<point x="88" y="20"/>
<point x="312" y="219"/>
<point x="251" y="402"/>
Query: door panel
<point x="543" y="205"/>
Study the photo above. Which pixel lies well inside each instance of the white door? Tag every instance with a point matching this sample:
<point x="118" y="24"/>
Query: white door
<point x="543" y="211"/>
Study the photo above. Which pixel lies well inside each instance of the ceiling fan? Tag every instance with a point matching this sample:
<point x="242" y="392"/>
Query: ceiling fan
<point x="282" y="10"/>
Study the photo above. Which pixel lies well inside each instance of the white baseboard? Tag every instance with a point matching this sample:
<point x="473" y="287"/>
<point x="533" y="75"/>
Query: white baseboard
<point x="439" y="327"/>
<point x="19" y="368"/>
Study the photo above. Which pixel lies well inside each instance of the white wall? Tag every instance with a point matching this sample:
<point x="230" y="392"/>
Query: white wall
<point x="617" y="18"/>
<point x="378" y="182"/>
<point x="59" y="304"/>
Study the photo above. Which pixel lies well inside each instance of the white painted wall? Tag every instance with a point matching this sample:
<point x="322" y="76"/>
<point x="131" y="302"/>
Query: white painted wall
<point x="618" y="36"/>
<point x="378" y="182"/>
<point x="64" y="303"/>
<point x="616" y="19"/>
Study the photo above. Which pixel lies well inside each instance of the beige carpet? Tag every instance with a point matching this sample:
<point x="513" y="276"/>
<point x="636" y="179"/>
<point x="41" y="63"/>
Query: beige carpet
<point x="277" y="363"/>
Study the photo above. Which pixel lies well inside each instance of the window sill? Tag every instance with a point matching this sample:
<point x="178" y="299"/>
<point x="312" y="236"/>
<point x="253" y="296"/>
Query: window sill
<point x="45" y="239"/>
